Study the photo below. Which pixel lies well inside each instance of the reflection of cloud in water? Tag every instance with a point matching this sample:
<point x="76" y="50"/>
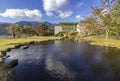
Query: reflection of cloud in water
<point x="57" y="69"/>
<point x="26" y="56"/>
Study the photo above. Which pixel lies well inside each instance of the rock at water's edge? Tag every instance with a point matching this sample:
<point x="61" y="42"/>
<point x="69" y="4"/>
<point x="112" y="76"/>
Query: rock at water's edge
<point x="24" y="47"/>
<point x="3" y="53"/>
<point x="12" y="64"/>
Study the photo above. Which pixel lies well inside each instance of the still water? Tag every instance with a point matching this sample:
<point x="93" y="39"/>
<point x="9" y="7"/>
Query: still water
<point x="5" y="36"/>
<point x="66" y="61"/>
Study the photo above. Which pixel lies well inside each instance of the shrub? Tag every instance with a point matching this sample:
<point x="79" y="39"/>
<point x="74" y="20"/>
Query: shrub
<point x="60" y="34"/>
<point x="73" y="33"/>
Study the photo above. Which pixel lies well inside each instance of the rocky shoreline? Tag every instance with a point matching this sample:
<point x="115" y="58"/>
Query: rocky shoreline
<point x="3" y="53"/>
<point x="7" y="68"/>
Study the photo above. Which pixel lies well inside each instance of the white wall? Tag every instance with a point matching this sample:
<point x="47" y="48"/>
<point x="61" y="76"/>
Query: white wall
<point x="58" y="29"/>
<point x="81" y="28"/>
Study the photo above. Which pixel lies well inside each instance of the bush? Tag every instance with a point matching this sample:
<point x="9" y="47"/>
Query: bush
<point x="60" y="34"/>
<point x="73" y="33"/>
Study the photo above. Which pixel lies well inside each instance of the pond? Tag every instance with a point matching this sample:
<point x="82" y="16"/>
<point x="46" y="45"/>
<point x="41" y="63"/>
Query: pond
<point x="5" y="36"/>
<point x="66" y="61"/>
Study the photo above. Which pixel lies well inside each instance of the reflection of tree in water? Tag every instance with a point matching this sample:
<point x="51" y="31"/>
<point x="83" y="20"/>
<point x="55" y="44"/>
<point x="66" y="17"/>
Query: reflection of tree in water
<point x="113" y="62"/>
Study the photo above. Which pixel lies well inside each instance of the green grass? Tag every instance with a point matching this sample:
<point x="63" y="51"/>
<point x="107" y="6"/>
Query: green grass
<point x="11" y="42"/>
<point x="94" y="40"/>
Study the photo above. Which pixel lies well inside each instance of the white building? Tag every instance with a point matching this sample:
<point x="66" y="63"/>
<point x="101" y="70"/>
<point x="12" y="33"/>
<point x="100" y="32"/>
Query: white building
<point x="81" y="28"/>
<point x="69" y="27"/>
<point x="58" y="29"/>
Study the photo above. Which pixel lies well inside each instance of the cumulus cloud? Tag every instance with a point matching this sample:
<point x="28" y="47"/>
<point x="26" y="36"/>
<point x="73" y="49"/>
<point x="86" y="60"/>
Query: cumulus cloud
<point x="79" y="17"/>
<point x="59" y="7"/>
<point x="22" y="13"/>
<point x="65" y="14"/>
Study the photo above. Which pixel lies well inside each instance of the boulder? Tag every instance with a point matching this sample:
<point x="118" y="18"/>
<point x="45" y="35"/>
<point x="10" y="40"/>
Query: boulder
<point x="12" y="64"/>
<point x="3" y="58"/>
<point x="24" y="47"/>
<point x="6" y="56"/>
<point x="17" y="46"/>
<point x="31" y="42"/>
<point x="3" y="53"/>
<point x="8" y="49"/>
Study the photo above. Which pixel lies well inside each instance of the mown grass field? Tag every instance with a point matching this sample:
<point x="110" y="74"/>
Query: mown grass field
<point x="95" y="40"/>
<point x="11" y="42"/>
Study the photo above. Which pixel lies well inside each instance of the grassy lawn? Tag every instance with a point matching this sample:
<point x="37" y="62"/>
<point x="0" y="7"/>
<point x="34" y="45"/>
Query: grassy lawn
<point x="102" y="41"/>
<point x="11" y="42"/>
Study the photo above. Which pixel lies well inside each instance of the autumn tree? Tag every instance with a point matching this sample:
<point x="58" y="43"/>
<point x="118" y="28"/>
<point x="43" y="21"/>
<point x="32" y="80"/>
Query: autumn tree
<point x="103" y="15"/>
<point x="90" y="25"/>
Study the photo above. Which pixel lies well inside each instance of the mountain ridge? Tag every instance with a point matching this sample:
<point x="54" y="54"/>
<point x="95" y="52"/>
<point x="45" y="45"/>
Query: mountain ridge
<point x="3" y="25"/>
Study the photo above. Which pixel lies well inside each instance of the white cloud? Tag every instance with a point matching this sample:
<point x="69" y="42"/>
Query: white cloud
<point x="79" y="5"/>
<point x="59" y="7"/>
<point x="54" y="5"/>
<point x="49" y="13"/>
<point x="22" y="13"/>
<point x="65" y="14"/>
<point x="78" y="17"/>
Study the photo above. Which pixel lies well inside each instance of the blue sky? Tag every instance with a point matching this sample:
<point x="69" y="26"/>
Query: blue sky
<point x="45" y="10"/>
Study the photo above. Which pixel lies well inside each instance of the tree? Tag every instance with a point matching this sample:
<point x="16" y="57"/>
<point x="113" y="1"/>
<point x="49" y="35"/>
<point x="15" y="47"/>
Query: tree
<point x="27" y="31"/>
<point x="50" y="32"/>
<point x="41" y="30"/>
<point x="14" y="30"/>
<point x="18" y="30"/>
<point x="116" y="18"/>
<point x="103" y="15"/>
<point x="90" y="25"/>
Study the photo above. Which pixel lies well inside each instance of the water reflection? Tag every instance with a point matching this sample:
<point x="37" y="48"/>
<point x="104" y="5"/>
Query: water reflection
<point x="66" y="61"/>
<point x="57" y="69"/>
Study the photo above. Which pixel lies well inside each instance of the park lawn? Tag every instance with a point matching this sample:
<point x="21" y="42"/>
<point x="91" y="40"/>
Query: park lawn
<point x="95" y="40"/>
<point x="12" y="42"/>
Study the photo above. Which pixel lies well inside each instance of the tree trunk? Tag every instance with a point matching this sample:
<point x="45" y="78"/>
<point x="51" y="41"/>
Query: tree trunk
<point x="107" y="31"/>
<point x="13" y="35"/>
<point x="107" y="35"/>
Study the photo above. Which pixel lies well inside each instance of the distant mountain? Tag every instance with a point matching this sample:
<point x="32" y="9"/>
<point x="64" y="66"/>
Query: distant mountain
<point x="28" y="23"/>
<point x="33" y="23"/>
<point x="48" y="24"/>
<point x="3" y="25"/>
